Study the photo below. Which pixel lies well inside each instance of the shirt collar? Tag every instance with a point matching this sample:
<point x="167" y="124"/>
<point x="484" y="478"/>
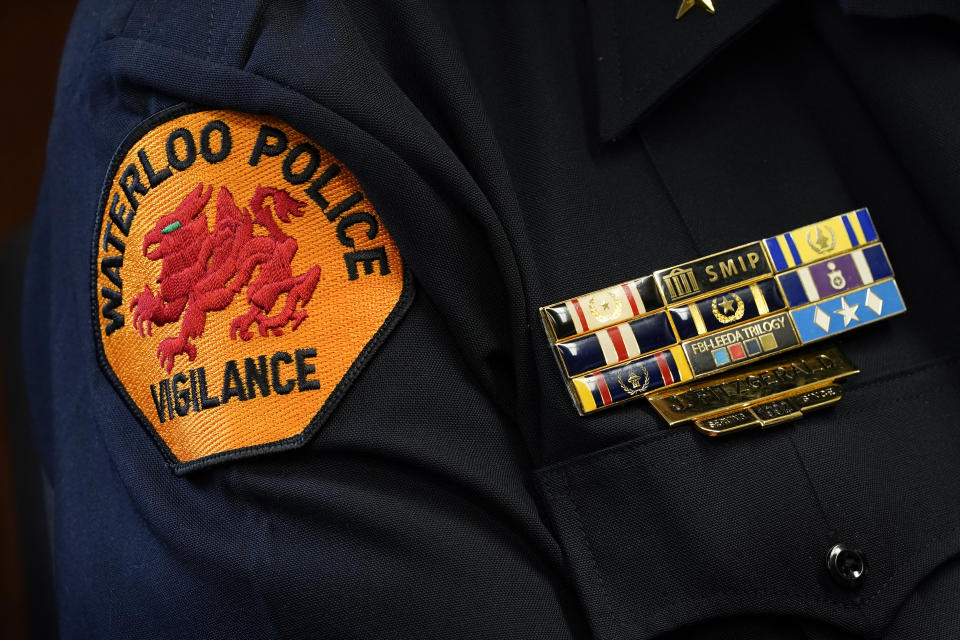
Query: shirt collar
<point x="642" y="53"/>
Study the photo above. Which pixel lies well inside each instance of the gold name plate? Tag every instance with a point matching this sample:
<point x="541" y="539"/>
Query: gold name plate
<point x="765" y="394"/>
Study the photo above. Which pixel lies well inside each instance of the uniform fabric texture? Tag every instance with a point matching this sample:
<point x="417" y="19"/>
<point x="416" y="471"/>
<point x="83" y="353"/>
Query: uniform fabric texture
<point x="522" y="153"/>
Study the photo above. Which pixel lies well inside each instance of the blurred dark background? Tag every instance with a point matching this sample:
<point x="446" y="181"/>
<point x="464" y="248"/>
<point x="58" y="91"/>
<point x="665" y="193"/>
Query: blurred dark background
<point x="32" y="40"/>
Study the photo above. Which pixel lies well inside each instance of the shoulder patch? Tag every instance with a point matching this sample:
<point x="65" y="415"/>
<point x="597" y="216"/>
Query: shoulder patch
<point x="240" y="280"/>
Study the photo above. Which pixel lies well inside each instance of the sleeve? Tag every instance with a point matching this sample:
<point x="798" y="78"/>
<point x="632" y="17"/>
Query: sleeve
<point x="262" y="394"/>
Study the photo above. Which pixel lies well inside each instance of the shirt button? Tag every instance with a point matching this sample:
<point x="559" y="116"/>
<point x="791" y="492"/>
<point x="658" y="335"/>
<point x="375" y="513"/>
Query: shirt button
<point x="846" y="565"/>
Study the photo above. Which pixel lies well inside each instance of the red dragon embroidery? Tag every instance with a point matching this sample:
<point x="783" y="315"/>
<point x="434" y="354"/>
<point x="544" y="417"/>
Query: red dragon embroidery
<point x="203" y="270"/>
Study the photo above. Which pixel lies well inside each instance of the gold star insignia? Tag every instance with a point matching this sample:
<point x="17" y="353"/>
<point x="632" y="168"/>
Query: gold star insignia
<point x="727" y="305"/>
<point x="686" y="5"/>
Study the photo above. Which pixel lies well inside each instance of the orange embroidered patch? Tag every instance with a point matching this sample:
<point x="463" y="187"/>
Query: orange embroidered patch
<point x="241" y="279"/>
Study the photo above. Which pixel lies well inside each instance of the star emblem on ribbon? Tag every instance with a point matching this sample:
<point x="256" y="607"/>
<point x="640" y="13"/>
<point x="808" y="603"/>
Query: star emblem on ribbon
<point x="847" y="312"/>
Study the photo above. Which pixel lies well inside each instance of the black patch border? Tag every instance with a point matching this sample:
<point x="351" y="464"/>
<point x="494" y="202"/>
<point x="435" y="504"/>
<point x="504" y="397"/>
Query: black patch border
<point x="293" y="442"/>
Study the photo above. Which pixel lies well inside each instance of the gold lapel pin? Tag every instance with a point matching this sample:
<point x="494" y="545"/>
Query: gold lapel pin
<point x="686" y="5"/>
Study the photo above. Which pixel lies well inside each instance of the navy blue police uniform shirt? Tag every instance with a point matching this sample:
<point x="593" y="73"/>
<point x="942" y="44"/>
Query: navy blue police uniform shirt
<point x="519" y="153"/>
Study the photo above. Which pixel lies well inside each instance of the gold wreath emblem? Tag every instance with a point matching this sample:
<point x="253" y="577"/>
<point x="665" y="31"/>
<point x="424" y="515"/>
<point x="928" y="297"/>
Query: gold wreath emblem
<point x="605" y="306"/>
<point x="635" y="383"/>
<point x="732" y="309"/>
<point x="821" y="242"/>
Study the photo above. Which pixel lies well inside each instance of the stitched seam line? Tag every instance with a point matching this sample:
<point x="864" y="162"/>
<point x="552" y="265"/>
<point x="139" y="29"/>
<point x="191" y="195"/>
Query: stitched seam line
<point x="669" y="192"/>
<point x="900" y="565"/>
<point x="210" y="32"/>
<point x="810" y="486"/>
<point x="598" y="577"/>
<point x="617" y="64"/>
<point x="143" y="31"/>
